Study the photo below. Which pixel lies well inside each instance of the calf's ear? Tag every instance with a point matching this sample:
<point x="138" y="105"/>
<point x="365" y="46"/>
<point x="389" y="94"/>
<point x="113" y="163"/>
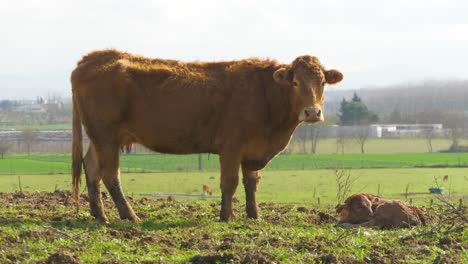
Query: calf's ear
<point x="333" y="76"/>
<point x="281" y="76"/>
<point x="339" y="208"/>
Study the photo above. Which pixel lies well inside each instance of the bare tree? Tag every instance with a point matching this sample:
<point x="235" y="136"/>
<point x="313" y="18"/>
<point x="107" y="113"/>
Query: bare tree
<point x="362" y="134"/>
<point x="4" y="147"/>
<point x="429" y="135"/>
<point x="341" y="139"/>
<point x="454" y="121"/>
<point x="303" y="137"/>
<point x="54" y="107"/>
<point x="300" y="138"/>
<point x="29" y="138"/>
<point x="315" y="137"/>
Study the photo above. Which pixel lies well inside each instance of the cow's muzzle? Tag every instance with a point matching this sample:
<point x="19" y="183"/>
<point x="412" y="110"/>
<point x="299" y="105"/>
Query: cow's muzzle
<point x="311" y="115"/>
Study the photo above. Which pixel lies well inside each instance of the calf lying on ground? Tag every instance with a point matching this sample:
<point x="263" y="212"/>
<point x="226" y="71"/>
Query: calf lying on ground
<point x="374" y="211"/>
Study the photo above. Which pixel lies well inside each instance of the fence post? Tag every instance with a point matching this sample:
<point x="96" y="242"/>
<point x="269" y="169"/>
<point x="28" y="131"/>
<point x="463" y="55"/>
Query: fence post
<point x="200" y="162"/>
<point x="406" y="191"/>
<point x="19" y="184"/>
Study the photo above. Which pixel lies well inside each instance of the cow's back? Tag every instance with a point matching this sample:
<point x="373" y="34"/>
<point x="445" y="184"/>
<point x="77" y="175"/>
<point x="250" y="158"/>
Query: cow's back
<point x="166" y="105"/>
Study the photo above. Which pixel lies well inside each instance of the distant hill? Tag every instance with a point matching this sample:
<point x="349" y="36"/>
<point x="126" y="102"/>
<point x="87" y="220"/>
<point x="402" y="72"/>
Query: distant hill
<point x="425" y="96"/>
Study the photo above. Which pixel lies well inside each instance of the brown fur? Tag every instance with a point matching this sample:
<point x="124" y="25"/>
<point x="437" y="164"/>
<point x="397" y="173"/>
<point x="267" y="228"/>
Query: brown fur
<point x="446" y="178"/>
<point x="207" y="190"/>
<point x="245" y="111"/>
<point x="374" y="211"/>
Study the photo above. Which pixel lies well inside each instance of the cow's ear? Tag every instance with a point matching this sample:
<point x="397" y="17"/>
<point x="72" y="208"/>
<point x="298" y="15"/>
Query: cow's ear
<point x="333" y="76"/>
<point x="281" y="76"/>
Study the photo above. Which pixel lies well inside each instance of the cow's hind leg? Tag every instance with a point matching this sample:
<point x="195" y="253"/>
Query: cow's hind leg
<point x="250" y="179"/>
<point x="109" y="164"/>
<point x="93" y="182"/>
<point x="229" y="181"/>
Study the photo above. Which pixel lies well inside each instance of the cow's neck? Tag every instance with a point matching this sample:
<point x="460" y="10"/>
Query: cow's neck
<point x="282" y="113"/>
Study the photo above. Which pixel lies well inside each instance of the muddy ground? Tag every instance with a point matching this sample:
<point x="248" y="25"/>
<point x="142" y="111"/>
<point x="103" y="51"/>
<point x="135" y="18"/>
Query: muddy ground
<point x="45" y="228"/>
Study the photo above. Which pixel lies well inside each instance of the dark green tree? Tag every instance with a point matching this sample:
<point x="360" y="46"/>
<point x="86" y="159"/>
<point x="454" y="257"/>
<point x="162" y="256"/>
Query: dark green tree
<point x="356" y="98"/>
<point x="355" y="112"/>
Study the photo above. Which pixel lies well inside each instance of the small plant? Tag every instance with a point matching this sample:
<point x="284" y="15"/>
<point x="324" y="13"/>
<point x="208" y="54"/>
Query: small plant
<point x="344" y="182"/>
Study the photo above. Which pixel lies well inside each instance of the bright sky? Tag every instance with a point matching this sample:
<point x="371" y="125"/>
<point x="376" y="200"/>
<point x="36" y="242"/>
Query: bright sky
<point x="374" y="43"/>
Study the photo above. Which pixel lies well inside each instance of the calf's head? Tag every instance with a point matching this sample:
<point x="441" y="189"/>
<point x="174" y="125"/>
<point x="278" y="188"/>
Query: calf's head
<point x="306" y="77"/>
<point x="357" y="209"/>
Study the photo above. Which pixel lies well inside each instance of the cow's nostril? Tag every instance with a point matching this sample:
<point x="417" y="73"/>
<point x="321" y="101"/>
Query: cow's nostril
<point x="306" y="113"/>
<point x="319" y="113"/>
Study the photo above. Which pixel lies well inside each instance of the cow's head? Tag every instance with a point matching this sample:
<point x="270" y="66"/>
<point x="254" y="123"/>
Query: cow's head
<point x="357" y="209"/>
<point x="307" y="77"/>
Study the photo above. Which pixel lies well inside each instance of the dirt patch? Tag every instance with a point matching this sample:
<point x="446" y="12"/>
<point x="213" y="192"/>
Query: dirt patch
<point x="62" y="257"/>
<point x="448" y="259"/>
<point x="325" y="218"/>
<point x="213" y="259"/>
<point x="258" y="257"/>
<point x="36" y="235"/>
<point x="129" y="233"/>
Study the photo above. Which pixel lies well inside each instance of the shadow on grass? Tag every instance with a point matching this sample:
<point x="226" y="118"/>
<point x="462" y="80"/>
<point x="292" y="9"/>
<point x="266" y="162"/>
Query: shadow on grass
<point x="151" y="225"/>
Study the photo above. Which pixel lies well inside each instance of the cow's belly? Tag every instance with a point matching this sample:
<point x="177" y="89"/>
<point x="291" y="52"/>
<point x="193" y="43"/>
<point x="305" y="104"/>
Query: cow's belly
<point x="169" y="136"/>
<point x="177" y="123"/>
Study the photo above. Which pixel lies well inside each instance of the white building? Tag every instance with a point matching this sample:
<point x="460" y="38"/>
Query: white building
<point x="385" y="130"/>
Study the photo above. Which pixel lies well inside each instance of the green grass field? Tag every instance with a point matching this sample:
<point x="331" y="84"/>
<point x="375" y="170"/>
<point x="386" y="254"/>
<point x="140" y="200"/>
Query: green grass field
<point x="44" y="228"/>
<point x="60" y="163"/>
<point x="291" y="186"/>
<point x="379" y="145"/>
<point x="43" y="225"/>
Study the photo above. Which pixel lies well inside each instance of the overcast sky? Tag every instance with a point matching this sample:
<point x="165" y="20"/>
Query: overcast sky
<point x="374" y="43"/>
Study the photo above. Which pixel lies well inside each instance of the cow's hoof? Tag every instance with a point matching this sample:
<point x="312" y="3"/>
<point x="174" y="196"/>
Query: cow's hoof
<point x="252" y="213"/>
<point x="102" y="220"/>
<point x="136" y="220"/>
<point x="132" y="218"/>
<point x="226" y="218"/>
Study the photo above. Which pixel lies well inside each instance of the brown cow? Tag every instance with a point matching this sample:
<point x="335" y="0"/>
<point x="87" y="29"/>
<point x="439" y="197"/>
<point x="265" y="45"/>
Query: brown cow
<point x="374" y="211"/>
<point x="207" y="190"/>
<point x="245" y="111"/>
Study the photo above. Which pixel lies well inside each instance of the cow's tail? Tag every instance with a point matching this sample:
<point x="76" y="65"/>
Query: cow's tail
<point x="77" y="154"/>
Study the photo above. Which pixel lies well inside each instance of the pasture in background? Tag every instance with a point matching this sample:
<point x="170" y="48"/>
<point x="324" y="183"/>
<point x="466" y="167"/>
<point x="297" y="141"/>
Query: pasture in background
<point x="288" y="186"/>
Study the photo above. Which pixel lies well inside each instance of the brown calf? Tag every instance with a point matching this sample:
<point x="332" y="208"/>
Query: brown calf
<point x="374" y="211"/>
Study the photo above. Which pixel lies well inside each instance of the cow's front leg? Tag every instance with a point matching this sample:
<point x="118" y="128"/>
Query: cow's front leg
<point x="229" y="179"/>
<point x="250" y="179"/>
